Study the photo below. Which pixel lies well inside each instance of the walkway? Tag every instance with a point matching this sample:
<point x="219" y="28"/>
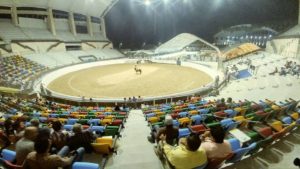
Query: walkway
<point x="134" y="150"/>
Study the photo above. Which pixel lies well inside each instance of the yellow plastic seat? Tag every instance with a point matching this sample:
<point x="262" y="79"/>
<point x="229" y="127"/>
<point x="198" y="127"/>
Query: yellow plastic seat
<point x="295" y="115"/>
<point x="277" y="125"/>
<point x="99" y="113"/>
<point x="184" y="121"/>
<point x="75" y="113"/>
<point x="193" y="112"/>
<point x="109" y="117"/>
<point x="159" y="113"/>
<point x="80" y="116"/>
<point x="45" y="114"/>
<point x="102" y="148"/>
<point x="15" y="117"/>
<point x="275" y="107"/>
<point x="153" y="119"/>
<point x="108" y="109"/>
<point x="62" y="120"/>
<point x="105" y="139"/>
<point x="241" y="119"/>
<point x="105" y="121"/>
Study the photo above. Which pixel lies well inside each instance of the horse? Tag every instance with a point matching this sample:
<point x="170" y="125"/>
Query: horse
<point x="138" y="71"/>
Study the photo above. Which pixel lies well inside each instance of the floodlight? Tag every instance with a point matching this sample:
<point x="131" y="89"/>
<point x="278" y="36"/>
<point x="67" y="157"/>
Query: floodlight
<point x="147" y="2"/>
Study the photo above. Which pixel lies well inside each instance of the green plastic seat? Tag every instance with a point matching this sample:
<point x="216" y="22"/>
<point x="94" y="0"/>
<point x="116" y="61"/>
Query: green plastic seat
<point x="83" y="121"/>
<point x="120" y="117"/>
<point x="209" y="125"/>
<point x="90" y="116"/>
<point x="112" y="131"/>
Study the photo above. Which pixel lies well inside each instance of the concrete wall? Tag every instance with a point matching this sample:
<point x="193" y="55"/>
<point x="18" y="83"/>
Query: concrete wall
<point x="285" y="47"/>
<point x="38" y="47"/>
<point x="96" y="45"/>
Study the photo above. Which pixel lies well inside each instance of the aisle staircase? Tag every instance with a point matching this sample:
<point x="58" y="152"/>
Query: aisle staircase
<point x="134" y="151"/>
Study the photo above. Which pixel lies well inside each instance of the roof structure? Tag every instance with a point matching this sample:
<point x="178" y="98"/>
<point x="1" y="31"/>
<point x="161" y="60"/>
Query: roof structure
<point x="294" y="31"/>
<point x="94" y="8"/>
<point x="239" y="30"/>
<point x="179" y="42"/>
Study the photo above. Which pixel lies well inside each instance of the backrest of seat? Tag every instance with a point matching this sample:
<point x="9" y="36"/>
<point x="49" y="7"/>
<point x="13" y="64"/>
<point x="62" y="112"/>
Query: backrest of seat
<point x="216" y="163"/>
<point x="196" y="119"/>
<point x="105" y="139"/>
<point x="103" y="148"/>
<point x="198" y="128"/>
<point x="85" y="165"/>
<point x="184" y="132"/>
<point x="265" y="132"/>
<point x="234" y="143"/>
<point x="239" y="153"/>
<point x="8" y="155"/>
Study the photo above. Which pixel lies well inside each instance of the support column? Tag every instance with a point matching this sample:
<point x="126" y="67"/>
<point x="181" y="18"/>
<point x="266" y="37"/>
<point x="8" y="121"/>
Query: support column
<point x="14" y="15"/>
<point x="72" y="23"/>
<point x="89" y="25"/>
<point x="299" y="13"/>
<point x="51" y="24"/>
<point x="103" y="28"/>
<point x="298" y="50"/>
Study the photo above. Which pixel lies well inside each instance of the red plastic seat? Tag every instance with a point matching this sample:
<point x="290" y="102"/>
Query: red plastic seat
<point x="200" y="129"/>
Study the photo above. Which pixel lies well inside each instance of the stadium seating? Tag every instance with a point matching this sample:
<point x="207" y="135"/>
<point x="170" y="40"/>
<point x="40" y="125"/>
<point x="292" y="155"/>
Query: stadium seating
<point x="16" y="70"/>
<point x="263" y="123"/>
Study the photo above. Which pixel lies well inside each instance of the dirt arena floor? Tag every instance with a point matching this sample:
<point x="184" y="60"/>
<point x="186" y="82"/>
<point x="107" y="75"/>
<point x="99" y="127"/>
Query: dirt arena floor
<point x="120" y="80"/>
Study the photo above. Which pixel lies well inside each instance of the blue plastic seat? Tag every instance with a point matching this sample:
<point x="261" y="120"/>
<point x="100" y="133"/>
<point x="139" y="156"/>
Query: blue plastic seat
<point x="287" y="120"/>
<point x="234" y="143"/>
<point x="68" y="127"/>
<point x="196" y="119"/>
<point x="85" y="165"/>
<point x="94" y="122"/>
<point x="150" y="115"/>
<point x="72" y="121"/>
<point x="184" y="132"/>
<point x="239" y="153"/>
<point x="107" y="113"/>
<point x="27" y="124"/>
<point x="203" y="111"/>
<point x="230" y="113"/>
<point x="43" y="119"/>
<point x="36" y="114"/>
<point x="8" y="155"/>
<point x="53" y="115"/>
<point x="183" y="114"/>
<point x="98" y="129"/>
<point x="192" y="107"/>
<point x="228" y="124"/>
<point x="176" y="123"/>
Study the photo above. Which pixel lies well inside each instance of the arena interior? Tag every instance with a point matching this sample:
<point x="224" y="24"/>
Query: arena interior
<point x="57" y="64"/>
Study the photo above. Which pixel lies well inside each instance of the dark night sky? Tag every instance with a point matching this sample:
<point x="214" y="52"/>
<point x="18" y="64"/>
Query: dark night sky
<point x="132" y="23"/>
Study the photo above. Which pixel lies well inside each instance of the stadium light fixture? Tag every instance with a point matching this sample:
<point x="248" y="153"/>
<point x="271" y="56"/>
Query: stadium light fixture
<point x="147" y="2"/>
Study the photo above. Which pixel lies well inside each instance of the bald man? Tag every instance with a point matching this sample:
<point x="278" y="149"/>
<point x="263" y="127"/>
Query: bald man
<point x="26" y="144"/>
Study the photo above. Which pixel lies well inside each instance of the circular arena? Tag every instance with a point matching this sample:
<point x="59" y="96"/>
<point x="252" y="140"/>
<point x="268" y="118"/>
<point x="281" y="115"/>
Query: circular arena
<point x="152" y="84"/>
<point x="121" y="80"/>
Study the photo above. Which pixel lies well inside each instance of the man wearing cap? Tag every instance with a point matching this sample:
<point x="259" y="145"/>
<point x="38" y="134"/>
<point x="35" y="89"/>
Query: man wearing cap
<point x="169" y="130"/>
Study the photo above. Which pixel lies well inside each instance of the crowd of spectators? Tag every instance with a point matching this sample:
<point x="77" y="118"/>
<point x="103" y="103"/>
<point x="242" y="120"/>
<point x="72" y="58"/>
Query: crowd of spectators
<point x="46" y="146"/>
<point x="27" y="122"/>
<point x="290" y="67"/>
<point x="194" y="150"/>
